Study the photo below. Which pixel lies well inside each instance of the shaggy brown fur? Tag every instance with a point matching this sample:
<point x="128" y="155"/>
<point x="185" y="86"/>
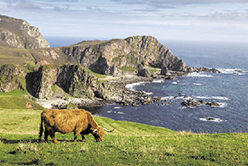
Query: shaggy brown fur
<point x="66" y="121"/>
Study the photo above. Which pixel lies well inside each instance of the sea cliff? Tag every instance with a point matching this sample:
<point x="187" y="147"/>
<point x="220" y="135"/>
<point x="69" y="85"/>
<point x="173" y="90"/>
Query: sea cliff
<point x="92" y="71"/>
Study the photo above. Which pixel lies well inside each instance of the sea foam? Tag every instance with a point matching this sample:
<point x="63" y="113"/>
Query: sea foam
<point x="211" y="119"/>
<point x="131" y="86"/>
<point x="158" y="81"/>
<point x="195" y="74"/>
<point x="212" y="97"/>
<point x="197" y="84"/>
<point x="232" y="71"/>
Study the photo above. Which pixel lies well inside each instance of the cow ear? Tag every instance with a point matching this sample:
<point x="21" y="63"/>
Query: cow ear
<point x="94" y="131"/>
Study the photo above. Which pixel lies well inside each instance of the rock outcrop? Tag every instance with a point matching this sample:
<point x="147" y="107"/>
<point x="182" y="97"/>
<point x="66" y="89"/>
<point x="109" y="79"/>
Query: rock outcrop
<point x="72" y="79"/>
<point x="11" y="78"/>
<point x="109" y="57"/>
<point x="20" y="34"/>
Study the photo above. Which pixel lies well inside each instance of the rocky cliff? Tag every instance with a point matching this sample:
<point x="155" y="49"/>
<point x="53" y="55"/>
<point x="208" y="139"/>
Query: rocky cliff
<point x="20" y="34"/>
<point x="66" y="72"/>
<point x="11" y="78"/>
<point x="51" y="80"/>
<point x="110" y="57"/>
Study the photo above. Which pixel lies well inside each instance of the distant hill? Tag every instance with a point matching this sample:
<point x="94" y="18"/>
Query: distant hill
<point x="20" y="34"/>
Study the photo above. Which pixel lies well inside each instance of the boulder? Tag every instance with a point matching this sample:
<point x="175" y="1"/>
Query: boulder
<point x="180" y="94"/>
<point x="156" y="99"/>
<point x="144" y="73"/>
<point x="135" y="104"/>
<point x="213" y="104"/>
<point x="191" y="103"/>
<point x="165" y="71"/>
<point x="146" y="100"/>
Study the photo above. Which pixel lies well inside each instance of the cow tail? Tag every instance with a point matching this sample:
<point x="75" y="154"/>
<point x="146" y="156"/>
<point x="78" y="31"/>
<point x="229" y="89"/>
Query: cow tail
<point x="41" y="129"/>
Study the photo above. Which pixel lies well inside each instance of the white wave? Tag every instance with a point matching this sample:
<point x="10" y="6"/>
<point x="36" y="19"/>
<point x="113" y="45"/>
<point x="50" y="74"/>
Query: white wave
<point x="212" y="97"/>
<point x="158" y="81"/>
<point x="131" y="86"/>
<point x="211" y="119"/>
<point x="222" y="104"/>
<point x="174" y="97"/>
<point x="147" y="93"/>
<point x="178" y="83"/>
<point x="167" y="98"/>
<point x="117" y="107"/>
<point x="195" y="74"/>
<point x="232" y="71"/>
<point x="198" y="84"/>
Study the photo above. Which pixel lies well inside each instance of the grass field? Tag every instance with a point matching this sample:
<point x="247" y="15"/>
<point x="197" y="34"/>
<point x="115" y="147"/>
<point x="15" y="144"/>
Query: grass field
<point x="130" y="144"/>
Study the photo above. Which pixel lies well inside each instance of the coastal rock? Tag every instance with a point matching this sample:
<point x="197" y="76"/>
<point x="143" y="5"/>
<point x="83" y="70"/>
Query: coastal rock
<point x="144" y="73"/>
<point x="165" y="71"/>
<point x="213" y="104"/>
<point x="118" y="56"/>
<point x="135" y="104"/>
<point x="72" y="79"/>
<point x="164" y="103"/>
<point x="191" y="103"/>
<point x="146" y="100"/>
<point x="11" y="78"/>
<point x="156" y="99"/>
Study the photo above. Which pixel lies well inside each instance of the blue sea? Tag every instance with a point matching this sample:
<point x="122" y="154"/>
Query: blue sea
<point x="229" y="89"/>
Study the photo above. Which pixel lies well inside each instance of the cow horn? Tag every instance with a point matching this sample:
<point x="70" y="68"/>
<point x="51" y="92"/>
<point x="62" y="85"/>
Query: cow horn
<point x="108" y="130"/>
<point x="95" y="131"/>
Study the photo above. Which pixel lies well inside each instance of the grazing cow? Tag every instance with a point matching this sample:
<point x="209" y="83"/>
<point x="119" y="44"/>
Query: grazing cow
<point x="66" y="121"/>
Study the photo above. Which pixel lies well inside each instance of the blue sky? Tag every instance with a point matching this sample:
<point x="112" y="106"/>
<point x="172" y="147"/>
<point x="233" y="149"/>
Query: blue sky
<point x="207" y="20"/>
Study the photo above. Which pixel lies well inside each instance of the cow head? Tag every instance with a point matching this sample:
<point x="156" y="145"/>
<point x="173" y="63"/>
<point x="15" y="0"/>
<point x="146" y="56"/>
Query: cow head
<point x="98" y="134"/>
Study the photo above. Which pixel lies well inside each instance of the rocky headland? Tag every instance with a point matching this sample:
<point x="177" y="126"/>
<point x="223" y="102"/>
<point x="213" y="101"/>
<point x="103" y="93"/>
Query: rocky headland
<point x="87" y="74"/>
<point x="20" y="34"/>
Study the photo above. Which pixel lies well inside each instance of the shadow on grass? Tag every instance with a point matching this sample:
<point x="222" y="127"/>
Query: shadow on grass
<point x="6" y="141"/>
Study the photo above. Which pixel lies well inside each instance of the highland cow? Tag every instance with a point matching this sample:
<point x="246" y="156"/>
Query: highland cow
<point x="66" y="121"/>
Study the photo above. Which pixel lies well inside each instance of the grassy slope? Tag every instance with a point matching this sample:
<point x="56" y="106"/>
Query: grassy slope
<point x="130" y="144"/>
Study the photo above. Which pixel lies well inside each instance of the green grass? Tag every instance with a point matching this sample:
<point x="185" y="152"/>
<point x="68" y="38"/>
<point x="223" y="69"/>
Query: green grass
<point x="4" y="59"/>
<point x="15" y="92"/>
<point x="16" y="102"/>
<point x="94" y="73"/>
<point x="130" y="144"/>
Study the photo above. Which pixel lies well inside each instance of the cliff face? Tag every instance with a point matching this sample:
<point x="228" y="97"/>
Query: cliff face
<point x="42" y="71"/>
<point x="11" y="78"/>
<point x="20" y="34"/>
<point x="110" y="56"/>
<point x="71" y="79"/>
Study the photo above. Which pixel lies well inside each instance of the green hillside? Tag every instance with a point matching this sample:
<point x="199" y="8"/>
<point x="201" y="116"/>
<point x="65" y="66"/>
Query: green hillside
<point x="130" y="144"/>
<point x="16" y="102"/>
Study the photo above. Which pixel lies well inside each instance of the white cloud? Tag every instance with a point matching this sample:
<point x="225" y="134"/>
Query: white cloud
<point x="178" y="19"/>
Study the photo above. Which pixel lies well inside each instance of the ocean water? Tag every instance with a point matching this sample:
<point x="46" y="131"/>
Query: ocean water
<point x="229" y="89"/>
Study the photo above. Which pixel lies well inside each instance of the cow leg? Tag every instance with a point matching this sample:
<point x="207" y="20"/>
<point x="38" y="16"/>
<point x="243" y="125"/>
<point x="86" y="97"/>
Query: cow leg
<point x="75" y="136"/>
<point x="83" y="138"/>
<point x="52" y="135"/>
<point x="46" y="135"/>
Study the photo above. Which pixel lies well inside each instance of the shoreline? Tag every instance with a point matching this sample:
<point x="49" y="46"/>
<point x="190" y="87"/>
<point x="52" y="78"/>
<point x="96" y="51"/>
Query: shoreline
<point x="116" y="92"/>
